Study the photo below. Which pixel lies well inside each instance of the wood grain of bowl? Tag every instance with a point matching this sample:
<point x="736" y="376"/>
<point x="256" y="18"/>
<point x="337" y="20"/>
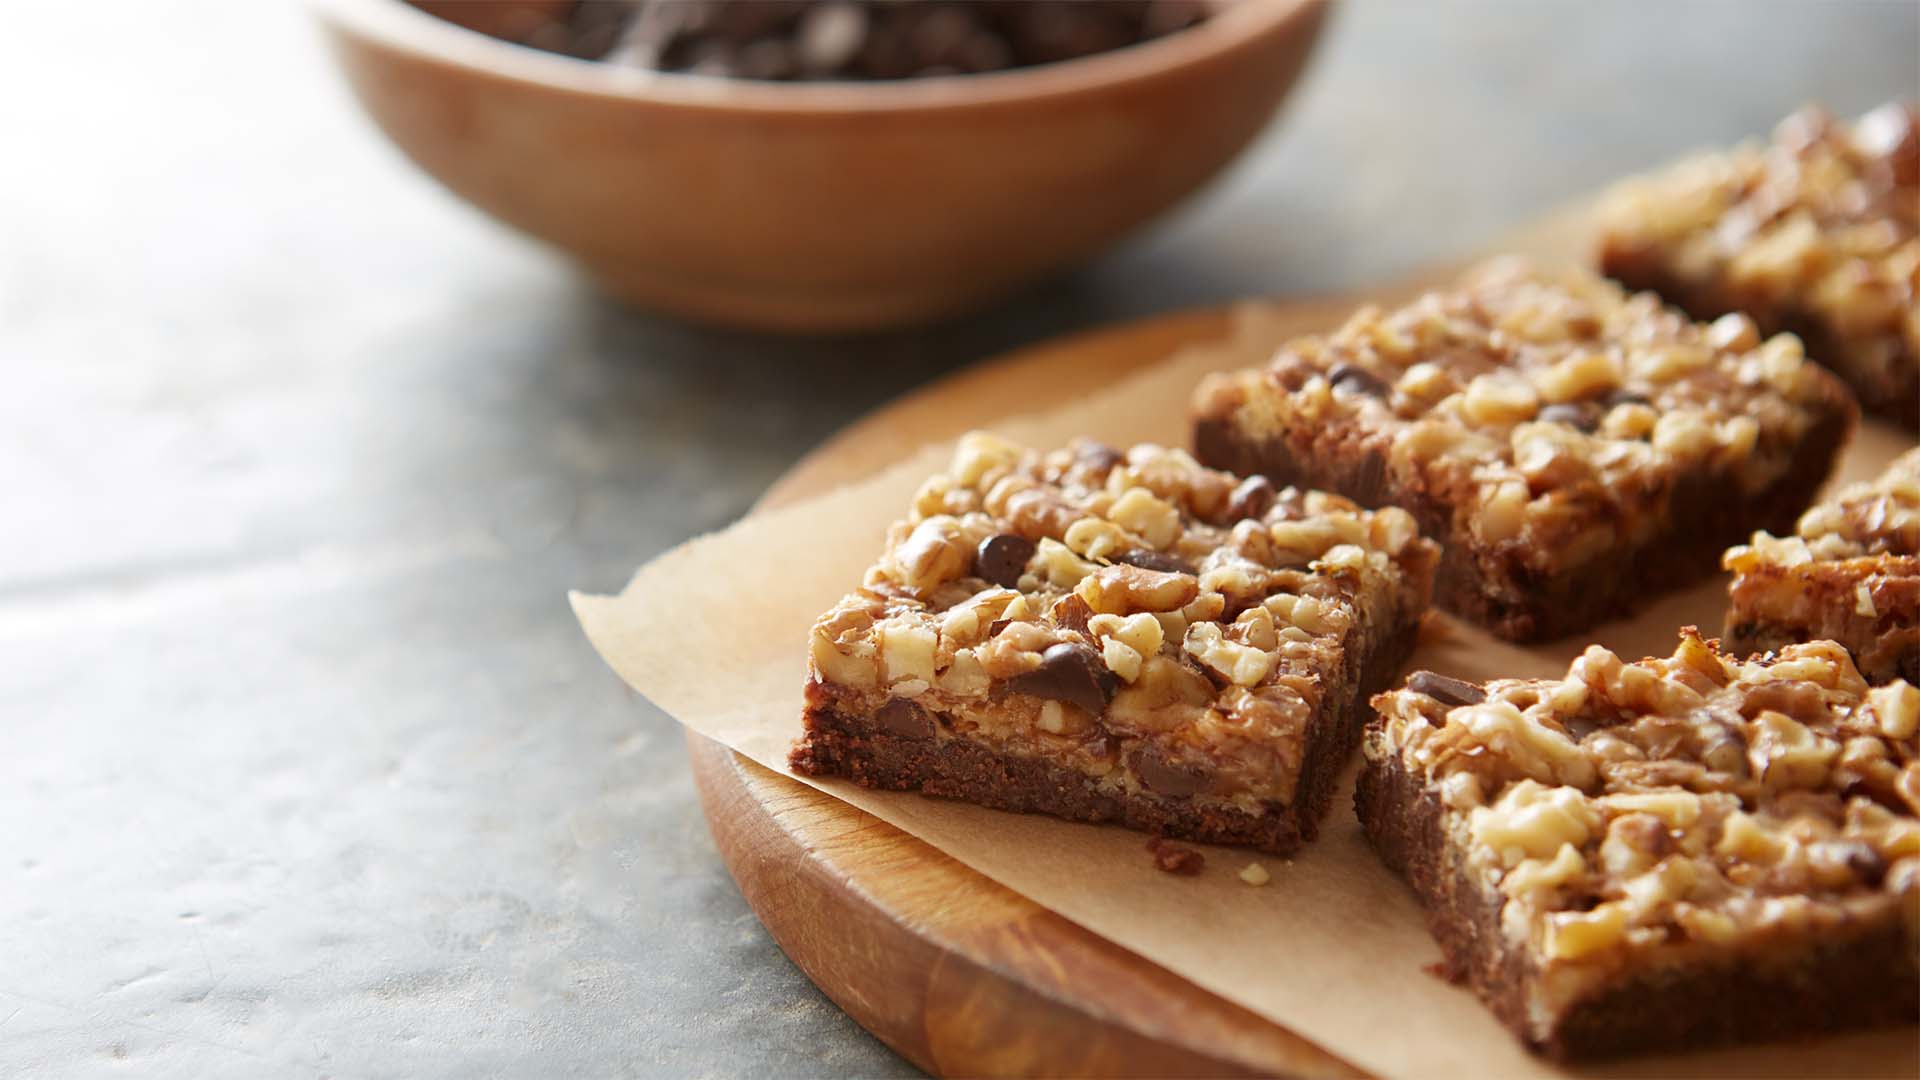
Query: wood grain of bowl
<point x="820" y="207"/>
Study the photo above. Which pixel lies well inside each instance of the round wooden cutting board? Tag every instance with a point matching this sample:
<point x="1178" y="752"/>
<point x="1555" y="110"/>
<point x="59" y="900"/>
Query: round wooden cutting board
<point x="959" y="974"/>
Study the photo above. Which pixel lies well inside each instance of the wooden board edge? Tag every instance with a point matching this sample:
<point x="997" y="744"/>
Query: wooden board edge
<point x="996" y="989"/>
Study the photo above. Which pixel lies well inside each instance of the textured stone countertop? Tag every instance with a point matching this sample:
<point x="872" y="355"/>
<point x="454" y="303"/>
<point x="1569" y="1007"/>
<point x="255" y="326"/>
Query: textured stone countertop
<point x="307" y="770"/>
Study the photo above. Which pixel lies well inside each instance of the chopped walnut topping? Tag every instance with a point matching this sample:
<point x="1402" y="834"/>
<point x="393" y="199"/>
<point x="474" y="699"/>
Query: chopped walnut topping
<point x="1540" y="412"/>
<point x="1818" y="229"/>
<point x="1633" y="811"/>
<point x="1850" y="573"/>
<point x="1153" y="623"/>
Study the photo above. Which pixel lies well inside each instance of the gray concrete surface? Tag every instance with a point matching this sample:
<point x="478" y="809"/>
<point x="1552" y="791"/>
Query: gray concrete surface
<point x="306" y="769"/>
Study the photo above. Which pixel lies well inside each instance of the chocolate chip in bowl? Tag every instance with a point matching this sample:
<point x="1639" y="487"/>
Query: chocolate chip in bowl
<point x="833" y="180"/>
<point x="795" y="40"/>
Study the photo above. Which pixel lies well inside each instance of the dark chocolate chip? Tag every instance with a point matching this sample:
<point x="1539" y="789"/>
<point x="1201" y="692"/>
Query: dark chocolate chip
<point x="1357" y="379"/>
<point x="1581" y="415"/>
<point x="983" y="52"/>
<point x="1072" y="673"/>
<point x="939" y="35"/>
<point x="1098" y="456"/>
<point x="1002" y="558"/>
<point x="885" y="52"/>
<point x="1445" y="689"/>
<point x="1045" y="32"/>
<point x="1251" y="499"/>
<point x="1148" y="559"/>
<point x="837" y="39"/>
<point x="766" y="59"/>
<point x="905" y="719"/>
<point x="741" y="21"/>
<point x="997" y="625"/>
<point x="1867" y="864"/>
<point x="1164" y="776"/>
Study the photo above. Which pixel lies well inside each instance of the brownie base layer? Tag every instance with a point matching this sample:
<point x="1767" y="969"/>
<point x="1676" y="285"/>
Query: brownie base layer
<point x="1494" y="587"/>
<point x="1894" y="395"/>
<point x="854" y="746"/>
<point x="1864" y="979"/>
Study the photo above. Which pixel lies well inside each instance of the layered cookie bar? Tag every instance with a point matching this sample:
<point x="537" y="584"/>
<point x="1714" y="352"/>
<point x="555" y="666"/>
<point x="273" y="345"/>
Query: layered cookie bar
<point x="1117" y="638"/>
<point x="1662" y="854"/>
<point x="1575" y="449"/>
<point x="1849" y="573"/>
<point x="1816" y="233"/>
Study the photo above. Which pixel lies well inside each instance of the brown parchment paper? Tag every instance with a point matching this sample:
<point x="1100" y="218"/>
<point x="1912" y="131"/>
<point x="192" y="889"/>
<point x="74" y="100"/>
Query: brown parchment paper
<point x="714" y="633"/>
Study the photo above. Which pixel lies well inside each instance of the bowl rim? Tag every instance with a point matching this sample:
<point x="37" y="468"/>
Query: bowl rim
<point x="399" y="25"/>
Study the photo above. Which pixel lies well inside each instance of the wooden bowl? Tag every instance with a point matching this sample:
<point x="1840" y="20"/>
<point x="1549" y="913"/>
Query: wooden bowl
<point x="819" y="207"/>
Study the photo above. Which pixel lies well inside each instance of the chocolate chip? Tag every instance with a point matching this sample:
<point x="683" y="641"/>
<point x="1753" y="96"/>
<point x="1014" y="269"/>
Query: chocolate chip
<point x="1445" y="689"/>
<point x="1357" y="379"/>
<point x="1867" y="864"/>
<point x="1047" y="31"/>
<point x="1072" y="673"/>
<point x="1251" y="499"/>
<point x="741" y="21"/>
<point x="1172" y="858"/>
<point x="1165" y="562"/>
<point x="939" y="35"/>
<point x="1097" y="456"/>
<point x="838" y="39"/>
<point x="1164" y="776"/>
<point x="766" y="59"/>
<point x="1002" y="558"/>
<point x="1583" y="416"/>
<point x="885" y="54"/>
<point x="997" y="625"/>
<point x="983" y="52"/>
<point x="905" y="719"/>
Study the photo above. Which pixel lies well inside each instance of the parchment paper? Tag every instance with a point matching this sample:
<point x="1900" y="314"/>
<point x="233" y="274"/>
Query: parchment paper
<point x="714" y="633"/>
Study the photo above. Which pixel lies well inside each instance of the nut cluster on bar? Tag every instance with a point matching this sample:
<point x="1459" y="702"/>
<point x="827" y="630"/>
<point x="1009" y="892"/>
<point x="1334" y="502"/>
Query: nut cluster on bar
<point x="1816" y="232"/>
<point x="1150" y="627"/>
<point x="1548" y="428"/>
<point x="1850" y="572"/>
<point x="1639" y="826"/>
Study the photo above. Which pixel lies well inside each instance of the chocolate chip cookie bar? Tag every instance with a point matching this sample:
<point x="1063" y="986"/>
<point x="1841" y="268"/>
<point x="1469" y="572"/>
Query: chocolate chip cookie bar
<point x="1816" y="233"/>
<point x="1662" y="854"/>
<point x="1113" y="637"/>
<point x="1575" y="449"/>
<point x="1849" y="573"/>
